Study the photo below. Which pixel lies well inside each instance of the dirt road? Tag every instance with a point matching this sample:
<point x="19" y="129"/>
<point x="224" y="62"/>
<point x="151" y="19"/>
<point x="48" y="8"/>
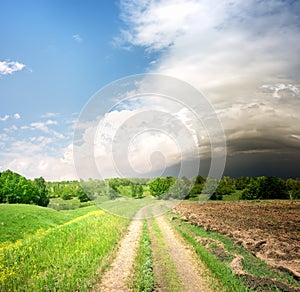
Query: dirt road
<point x="188" y="272"/>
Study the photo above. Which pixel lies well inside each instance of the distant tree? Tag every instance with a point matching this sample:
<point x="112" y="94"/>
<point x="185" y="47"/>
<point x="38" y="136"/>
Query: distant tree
<point x="136" y="190"/>
<point x="81" y="195"/>
<point x="210" y="186"/>
<point x="180" y="189"/>
<point x="67" y="193"/>
<point x="293" y="188"/>
<point x="265" y="188"/>
<point x="242" y="182"/>
<point x="133" y="187"/>
<point x="224" y="188"/>
<point x="16" y="189"/>
<point x="112" y="189"/>
<point x="272" y="187"/>
<point x="221" y="190"/>
<point x="42" y="191"/>
<point x="200" y="180"/>
<point x="140" y="191"/>
<point x="159" y="186"/>
<point x="195" y="190"/>
<point x="251" y="191"/>
<point x="216" y="196"/>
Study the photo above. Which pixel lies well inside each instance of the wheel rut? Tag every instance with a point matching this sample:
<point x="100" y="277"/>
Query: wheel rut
<point x="190" y="273"/>
<point x="187" y="271"/>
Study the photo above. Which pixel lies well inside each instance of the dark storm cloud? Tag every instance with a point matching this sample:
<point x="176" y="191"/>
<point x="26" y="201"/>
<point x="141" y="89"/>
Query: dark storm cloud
<point x="244" y="57"/>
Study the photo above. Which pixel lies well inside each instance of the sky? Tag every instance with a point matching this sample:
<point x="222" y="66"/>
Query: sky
<point x="242" y="56"/>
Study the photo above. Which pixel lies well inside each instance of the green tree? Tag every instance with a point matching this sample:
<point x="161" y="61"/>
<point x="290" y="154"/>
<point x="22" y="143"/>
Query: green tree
<point x="16" y="189"/>
<point x="67" y="193"/>
<point x="210" y="186"/>
<point x="293" y="188"/>
<point x="225" y="187"/>
<point x="140" y="191"/>
<point x="43" y="199"/>
<point x="133" y="187"/>
<point x="195" y="190"/>
<point x="263" y="187"/>
<point x="272" y="187"/>
<point x="112" y="189"/>
<point x="136" y="190"/>
<point x="159" y="187"/>
<point x="180" y="189"/>
<point x="242" y="182"/>
<point x="251" y="191"/>
<point x="81" y="195"/>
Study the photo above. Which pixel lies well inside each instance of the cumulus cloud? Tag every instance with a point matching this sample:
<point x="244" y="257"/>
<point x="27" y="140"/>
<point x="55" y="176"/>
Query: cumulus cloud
<point x="4" y="118"/>
<point x="141" y="135"/>
<point x="243" y="55"/>
<point x="17" y="116"/>
<point x="43" y="126"/>
<point x="223" y="46"/>
<point x="9" y="67"/>
<point x="39" y="148"/>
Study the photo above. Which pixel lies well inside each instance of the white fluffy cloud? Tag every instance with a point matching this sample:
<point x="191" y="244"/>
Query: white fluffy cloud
<point x="243" y="55"/>
<point x="9" y="67"/>
<point x="40" y="148"/>
<point x="219" y="46"/>
<point x="4" y="118"/>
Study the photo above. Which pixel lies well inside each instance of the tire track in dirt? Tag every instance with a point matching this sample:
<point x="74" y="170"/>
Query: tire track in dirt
<point x="115" y="279"/>
<point x="188" y="268"/>
<point x="190" y="272"/>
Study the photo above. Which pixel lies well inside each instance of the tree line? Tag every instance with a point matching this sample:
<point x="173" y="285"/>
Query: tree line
<point x="15" y="188"/>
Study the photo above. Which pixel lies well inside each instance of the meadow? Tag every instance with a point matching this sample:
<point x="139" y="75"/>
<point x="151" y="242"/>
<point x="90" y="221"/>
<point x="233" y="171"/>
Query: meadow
<point x="66" y="250"/>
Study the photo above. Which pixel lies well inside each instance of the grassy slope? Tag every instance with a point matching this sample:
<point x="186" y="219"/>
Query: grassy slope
<point x="68" y="257"/>
<point x="17" y="221"/>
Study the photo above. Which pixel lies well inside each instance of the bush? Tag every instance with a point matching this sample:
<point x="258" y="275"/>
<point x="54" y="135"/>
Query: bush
<point x="265" y="188"/>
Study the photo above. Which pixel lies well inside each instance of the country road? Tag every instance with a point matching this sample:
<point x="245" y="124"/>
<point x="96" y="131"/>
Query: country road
<point x="187" y="271"/>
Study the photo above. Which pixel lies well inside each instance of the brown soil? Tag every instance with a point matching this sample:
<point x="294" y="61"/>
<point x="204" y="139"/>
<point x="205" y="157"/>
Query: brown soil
<point x="270" y="230"/>
<point x="190" y="273"/>
<point x="115" y="279"/>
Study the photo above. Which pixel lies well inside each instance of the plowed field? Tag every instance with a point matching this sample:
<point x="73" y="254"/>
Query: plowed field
<point x="269" y="229"/>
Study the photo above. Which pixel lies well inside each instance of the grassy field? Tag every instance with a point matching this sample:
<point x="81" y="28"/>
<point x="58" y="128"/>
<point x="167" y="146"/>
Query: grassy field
<point x="60" y="204"/>
<point x="18" y="221"/>
<point x="47" y="250"/>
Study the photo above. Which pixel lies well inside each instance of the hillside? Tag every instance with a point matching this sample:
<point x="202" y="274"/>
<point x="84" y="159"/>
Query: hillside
<point x="18" y="220"/>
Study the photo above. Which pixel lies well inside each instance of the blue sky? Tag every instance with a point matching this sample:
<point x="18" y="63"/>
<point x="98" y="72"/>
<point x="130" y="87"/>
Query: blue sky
<point x="242" y="55"/>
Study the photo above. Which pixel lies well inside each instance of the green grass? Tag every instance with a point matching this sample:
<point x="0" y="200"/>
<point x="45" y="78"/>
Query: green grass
<point x="18" y="221"/>
<point x="169" y="273"/>
<point x="251" y="264"/>
<point x="60" y="204"/>
<point x="143" y="277"/>
<point x="125" y="207"/>
<point x="233" y="197"/>
<point x="125" y="191"/>
<point x="67" y="257"/>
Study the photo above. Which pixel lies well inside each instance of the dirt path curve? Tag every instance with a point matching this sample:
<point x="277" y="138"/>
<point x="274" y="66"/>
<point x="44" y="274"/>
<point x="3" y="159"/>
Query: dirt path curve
<point x="115" y="278"/>
<point x="187" y="266"/>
